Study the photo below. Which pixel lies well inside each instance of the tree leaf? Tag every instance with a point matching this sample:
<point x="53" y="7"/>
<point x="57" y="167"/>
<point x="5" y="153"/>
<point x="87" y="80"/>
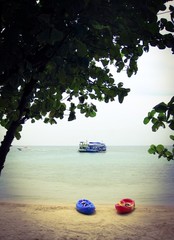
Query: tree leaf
<point x="81" y="49"/>
<point x="161" y="107"/>
<point x="172" y="137"/>
<point x="146" y="120"/>
<point x="160" y="148"/>
<point x="56" y="36"/>
<point x="171" y="124"/>
<point x="72" y="116"/>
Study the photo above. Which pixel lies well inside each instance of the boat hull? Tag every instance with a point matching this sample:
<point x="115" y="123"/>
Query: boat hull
<point x="85" y="206"/>
<point x="88" y="150"/>
<point x="126" y="205"/>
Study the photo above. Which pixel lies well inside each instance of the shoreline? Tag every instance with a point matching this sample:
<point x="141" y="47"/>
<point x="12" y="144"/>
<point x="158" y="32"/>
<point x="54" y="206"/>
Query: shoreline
<point x="68" y="204"/>
<point x="32" y="221"/>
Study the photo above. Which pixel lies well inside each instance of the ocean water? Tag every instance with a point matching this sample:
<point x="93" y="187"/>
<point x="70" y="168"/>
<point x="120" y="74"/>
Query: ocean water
<point x="53" y="175"/>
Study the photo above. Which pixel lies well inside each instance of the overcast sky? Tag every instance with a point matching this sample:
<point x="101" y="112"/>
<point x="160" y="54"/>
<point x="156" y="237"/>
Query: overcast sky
<point x="116" y="124"/>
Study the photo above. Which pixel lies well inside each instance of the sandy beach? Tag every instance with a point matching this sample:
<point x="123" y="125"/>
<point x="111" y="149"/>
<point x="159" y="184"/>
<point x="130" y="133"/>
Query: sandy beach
<point x="54" y="222"/>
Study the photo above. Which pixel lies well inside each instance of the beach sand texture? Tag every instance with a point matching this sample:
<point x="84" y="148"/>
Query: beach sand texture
<point x="62" y="222"/>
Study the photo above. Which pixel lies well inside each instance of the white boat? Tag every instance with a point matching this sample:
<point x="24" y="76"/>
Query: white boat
<point x="92" y="147"/>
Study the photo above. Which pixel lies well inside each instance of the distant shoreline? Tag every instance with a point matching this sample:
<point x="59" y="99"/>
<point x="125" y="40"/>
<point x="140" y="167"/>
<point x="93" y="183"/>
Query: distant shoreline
<point x="23" y="145"/>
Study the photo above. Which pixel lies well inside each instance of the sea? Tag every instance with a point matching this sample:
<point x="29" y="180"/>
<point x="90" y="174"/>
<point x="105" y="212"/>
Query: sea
<point x="62" y="175"/>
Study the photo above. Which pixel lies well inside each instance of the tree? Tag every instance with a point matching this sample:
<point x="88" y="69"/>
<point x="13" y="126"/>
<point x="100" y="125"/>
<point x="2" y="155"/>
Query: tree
<point x="162" y="115"/>
<point x="49" y="54"/>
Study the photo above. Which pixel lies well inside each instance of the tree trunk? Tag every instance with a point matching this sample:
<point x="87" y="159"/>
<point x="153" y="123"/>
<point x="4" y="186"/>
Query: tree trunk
<point x="10" y="134"/>
<point x="6" y="143"/>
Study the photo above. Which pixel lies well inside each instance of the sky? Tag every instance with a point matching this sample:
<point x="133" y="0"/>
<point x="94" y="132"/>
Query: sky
<point x="115" y="124"/>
